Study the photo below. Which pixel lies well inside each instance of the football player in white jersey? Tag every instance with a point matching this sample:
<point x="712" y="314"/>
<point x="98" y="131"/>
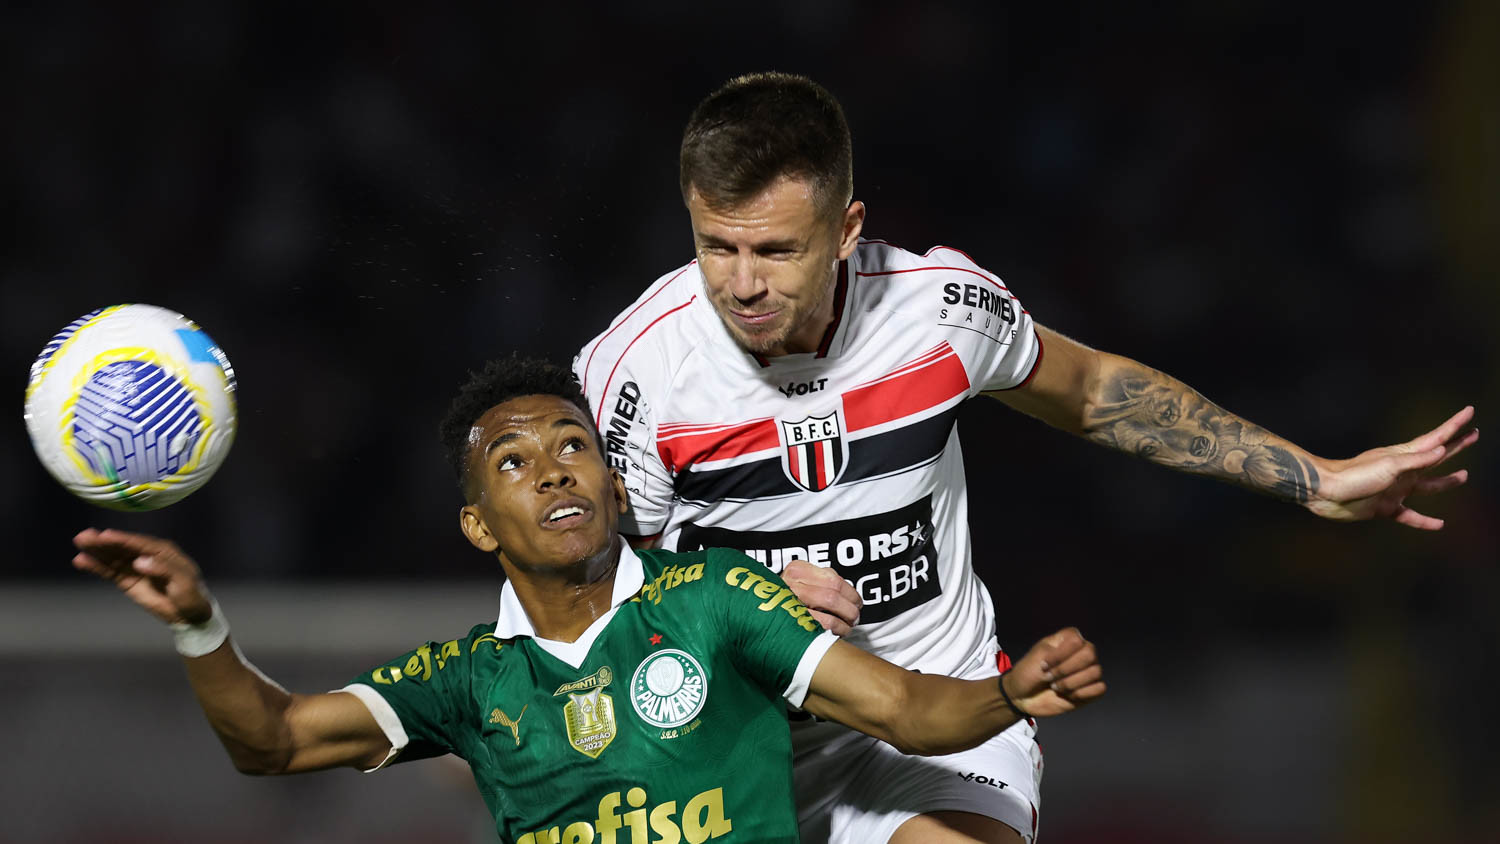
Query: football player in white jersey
<point x="792" y="393"/>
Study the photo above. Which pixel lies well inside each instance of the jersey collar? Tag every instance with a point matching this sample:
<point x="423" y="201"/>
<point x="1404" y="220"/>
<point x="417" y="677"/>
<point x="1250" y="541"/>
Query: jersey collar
<point x="513" y="622"/>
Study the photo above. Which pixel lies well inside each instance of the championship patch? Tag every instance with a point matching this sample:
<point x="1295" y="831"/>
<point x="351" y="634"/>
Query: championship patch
<point x="590" y="717"/>
<point x="814" y="451"/>
<point x="668" y="689"/>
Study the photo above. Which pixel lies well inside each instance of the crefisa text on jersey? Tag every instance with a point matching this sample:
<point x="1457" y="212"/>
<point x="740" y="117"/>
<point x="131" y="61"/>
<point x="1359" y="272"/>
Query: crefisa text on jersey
<point x="700" y="820"/>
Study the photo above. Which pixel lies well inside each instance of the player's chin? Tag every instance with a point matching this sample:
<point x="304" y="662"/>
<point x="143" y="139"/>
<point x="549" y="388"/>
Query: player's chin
<point x="760" y="342"/>
<point x="579" y="545"/>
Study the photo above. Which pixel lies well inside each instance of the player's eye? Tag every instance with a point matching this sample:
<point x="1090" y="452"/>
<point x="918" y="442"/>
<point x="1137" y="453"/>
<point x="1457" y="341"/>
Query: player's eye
<point x="573" y="444"/>
<point x="509" y="461"/>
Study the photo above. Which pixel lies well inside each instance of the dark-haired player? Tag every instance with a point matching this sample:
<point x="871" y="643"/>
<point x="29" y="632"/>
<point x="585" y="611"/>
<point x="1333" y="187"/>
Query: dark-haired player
<point x="620" y="696"/>
<point x="792" y="393"/>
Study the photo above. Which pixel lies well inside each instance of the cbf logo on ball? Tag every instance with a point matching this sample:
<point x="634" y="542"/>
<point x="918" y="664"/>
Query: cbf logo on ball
<point x="668" y="689"/>
<point x="814" y="451"/>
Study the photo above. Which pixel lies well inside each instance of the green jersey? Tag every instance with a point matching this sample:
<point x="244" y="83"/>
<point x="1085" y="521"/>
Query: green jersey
<point x="664" y="722"/>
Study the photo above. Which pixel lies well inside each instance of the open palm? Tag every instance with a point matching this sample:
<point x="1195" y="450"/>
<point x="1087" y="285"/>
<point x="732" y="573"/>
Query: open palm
<point x="1377" y="483"/>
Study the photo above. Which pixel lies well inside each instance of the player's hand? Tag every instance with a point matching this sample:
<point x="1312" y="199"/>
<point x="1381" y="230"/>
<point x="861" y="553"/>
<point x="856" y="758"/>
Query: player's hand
<point x="152" y="572"/>
<point x="1376" y="484"/>
<point x="1059" y="674"/>
<point x="833" y="602"/>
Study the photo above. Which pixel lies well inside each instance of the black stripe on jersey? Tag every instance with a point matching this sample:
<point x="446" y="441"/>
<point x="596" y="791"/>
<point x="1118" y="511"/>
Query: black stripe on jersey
<point x="882" y="454"/>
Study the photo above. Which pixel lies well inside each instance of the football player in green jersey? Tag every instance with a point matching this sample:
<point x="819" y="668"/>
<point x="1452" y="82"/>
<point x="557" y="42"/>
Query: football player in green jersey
<point x="622" y="696"/>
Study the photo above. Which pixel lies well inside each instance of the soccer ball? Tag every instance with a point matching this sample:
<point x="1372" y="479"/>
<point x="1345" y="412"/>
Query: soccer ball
<point x="131" y="407"/>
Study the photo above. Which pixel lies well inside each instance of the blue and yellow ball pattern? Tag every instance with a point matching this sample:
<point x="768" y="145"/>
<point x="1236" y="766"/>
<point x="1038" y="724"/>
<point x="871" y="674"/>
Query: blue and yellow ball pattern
<point x="131" y="407"/>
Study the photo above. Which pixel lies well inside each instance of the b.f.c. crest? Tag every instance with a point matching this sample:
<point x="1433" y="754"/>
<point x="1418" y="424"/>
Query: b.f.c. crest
<point x="814" y="451"/>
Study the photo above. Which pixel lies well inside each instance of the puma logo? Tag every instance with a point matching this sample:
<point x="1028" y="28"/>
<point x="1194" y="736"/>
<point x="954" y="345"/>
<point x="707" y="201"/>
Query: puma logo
<point x="498" y="717"/>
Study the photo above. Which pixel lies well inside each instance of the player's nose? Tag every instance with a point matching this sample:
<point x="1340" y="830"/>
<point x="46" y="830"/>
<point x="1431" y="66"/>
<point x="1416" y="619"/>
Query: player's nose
<point x="744" y="283"/>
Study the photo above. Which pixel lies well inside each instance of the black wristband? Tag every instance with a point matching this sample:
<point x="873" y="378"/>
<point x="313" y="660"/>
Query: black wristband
<point x="1000" y="681"/>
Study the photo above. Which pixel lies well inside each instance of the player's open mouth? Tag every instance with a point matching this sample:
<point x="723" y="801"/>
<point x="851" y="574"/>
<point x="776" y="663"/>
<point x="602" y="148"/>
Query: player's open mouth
<point x="565" y="514"/>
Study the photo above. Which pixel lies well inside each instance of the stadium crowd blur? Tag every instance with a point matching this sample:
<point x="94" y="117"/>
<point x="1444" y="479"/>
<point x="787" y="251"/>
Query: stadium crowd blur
<point x="1292" y="207"/>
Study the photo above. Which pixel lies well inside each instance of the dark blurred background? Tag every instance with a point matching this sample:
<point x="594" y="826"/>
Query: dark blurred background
<point x="1293" y="207"/>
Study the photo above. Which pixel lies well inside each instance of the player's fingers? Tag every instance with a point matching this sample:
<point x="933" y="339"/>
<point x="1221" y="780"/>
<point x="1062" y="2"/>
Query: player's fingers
<point x="124" y="542"/>
<point x="1443" y="432"/>
<point x="1411" y="518"/>
<point x="837" y="625"/>
<point x="1055" y="649"/>
<point x="87" y="562"/>
<point x="1075" y="662"/>
<point x="1418" y="460"/>
<point x="1429" y="486"/>
<point x="1084" y="677"/>
<point x="1459" y="443"/>
<point x="1087" y="693"/>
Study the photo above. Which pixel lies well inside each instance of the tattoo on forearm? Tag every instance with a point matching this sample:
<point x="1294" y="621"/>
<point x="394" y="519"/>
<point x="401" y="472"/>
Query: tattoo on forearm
<point x="1157" y="417"/>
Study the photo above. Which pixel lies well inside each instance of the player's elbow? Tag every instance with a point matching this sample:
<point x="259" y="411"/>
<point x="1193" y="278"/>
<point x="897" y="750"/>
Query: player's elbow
<point x="259" y="764"/>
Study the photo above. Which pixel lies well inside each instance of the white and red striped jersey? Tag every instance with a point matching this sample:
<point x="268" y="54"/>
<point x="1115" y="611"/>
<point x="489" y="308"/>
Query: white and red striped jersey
<point x="846" y="457"/>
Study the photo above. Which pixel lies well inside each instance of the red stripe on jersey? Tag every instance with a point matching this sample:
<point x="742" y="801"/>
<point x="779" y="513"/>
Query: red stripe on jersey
<point x="911" y="389"/>
<point x="929" y="269"/>
<point x="680" y="451"/>
<point x="794" y="466"/>
<point x="603" y="401"/>
<point x="585" y="384"/>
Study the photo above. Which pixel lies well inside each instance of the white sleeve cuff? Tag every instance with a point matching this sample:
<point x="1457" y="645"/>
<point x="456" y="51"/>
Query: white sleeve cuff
<point x="385" y="716"/>
<point x="796" y="691"/>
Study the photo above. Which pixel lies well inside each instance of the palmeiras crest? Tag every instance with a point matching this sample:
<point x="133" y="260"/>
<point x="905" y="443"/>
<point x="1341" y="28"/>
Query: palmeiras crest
<point x="814" y="451"/>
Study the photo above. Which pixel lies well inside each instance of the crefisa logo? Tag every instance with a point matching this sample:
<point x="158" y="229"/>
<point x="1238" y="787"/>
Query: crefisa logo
<point x="814" y="451"/>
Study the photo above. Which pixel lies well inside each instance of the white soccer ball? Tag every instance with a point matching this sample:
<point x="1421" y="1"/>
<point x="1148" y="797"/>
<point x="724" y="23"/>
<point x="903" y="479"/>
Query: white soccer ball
<point x="131" y="407"/>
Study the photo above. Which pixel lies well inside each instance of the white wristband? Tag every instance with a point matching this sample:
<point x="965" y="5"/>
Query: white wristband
<point x="193" y="640"/>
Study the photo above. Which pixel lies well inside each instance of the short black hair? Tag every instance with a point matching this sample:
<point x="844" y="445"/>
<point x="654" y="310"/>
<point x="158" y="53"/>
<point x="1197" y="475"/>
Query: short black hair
<point x="500" y="381"/>
<point x="759" y="127"/>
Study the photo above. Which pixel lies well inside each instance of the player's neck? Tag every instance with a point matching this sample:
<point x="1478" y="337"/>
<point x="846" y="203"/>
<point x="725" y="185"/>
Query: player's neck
<point x="562" y="602"/>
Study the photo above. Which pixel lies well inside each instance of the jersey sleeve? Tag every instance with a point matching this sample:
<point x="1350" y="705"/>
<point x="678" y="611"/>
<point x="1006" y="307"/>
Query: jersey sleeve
<point x="621" y="391"/>
<point x="417" y="698"/>
<point x="993" y="332"/>
<point x="773" y="637"/>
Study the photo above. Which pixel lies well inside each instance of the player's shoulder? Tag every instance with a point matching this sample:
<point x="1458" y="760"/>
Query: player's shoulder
<point x="480" y="650"/>
<point x="673" y="574"/>
<point x="943" y="289"/>
<point x="655" y="330"/>
<point x="904" y="272"/>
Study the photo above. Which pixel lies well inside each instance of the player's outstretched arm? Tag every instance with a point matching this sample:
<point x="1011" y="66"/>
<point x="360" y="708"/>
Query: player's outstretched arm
<point x="929" y="714"/>
<point x="1130" y="407"/>
<point x="266" y="729"/>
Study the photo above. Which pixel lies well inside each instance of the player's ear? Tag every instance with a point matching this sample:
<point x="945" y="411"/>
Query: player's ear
<point x="853" y="223"/>
<point x="475" y="530"/>
<point x="622" y="502"/>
